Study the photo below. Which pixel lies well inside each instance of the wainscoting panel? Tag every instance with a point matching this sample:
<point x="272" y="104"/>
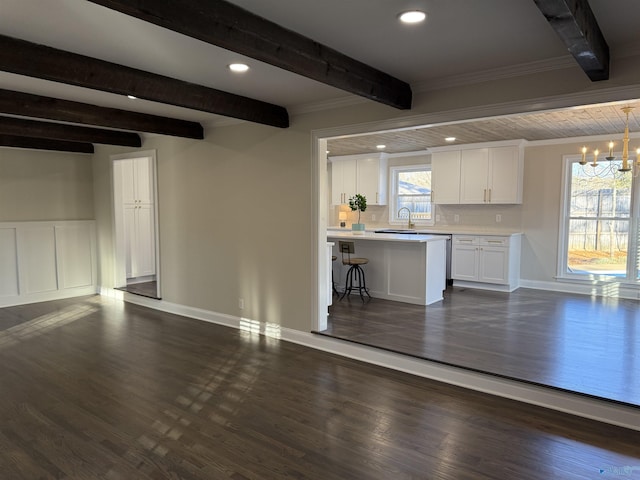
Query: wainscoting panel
<point x="8" y="263"/>
<point x="75" y="255"/>
<point x="42" y="261"/>
<point x="37" y="259"/>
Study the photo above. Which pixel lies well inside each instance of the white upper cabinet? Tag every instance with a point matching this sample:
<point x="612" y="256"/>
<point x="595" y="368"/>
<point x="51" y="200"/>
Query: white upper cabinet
<point x="343" y="181"/>
<point x="445" y="177"/>
<point x="474" y="165"/>
<point x="372" y="179"/>
<point x="363" y="174"/>
<point x="491" y="174"/>
<point x="505" y="175"/>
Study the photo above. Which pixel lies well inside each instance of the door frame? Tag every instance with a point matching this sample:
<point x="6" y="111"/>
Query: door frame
<point x="119" y="264"/>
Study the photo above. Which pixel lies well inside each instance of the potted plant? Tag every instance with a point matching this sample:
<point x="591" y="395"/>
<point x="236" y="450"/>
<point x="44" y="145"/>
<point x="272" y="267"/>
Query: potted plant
<point x="358" y="202"/>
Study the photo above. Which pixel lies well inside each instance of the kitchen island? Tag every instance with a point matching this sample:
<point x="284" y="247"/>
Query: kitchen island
<point x="403" y="268"/>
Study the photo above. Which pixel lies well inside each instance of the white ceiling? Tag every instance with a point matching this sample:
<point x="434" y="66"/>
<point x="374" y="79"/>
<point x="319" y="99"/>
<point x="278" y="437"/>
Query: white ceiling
<point x="460" y="37"/>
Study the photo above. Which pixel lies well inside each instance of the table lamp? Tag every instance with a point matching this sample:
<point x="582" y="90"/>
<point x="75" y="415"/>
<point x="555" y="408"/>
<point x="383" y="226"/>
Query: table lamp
<point x="342" y="216"/>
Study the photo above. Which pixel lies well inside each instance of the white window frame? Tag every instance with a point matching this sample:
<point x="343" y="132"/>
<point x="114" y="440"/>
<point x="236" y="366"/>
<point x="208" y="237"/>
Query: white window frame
<point x="633" y="256"/>
<point x="393" y="197"/>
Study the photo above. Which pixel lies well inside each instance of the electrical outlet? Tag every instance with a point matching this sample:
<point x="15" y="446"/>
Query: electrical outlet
<point x="498" y="218"/>
<point x="241" y="303"/>
<point x="373" y="218"/>
<point x="456" y="218"/>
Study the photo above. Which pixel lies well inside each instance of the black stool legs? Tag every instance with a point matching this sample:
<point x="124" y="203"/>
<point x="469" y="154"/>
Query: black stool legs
<point x="357" y="272"/>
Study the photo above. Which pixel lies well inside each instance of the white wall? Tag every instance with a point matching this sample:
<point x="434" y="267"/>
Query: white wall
<point x="235" y="210"/>
<point x="39" y="185"/>
<point x="541" y="210"/>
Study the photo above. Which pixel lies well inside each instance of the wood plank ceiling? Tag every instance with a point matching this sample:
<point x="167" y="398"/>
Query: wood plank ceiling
<point x="225" y="25"/>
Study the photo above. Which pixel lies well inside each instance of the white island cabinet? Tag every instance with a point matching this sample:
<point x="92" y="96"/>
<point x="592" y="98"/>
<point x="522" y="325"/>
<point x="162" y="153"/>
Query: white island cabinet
<point x="404" y="268"/>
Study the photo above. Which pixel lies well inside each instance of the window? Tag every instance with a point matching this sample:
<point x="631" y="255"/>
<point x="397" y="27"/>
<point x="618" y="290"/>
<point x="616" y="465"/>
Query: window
<point x="411" y="189"/>
<point x="598" y="221"/>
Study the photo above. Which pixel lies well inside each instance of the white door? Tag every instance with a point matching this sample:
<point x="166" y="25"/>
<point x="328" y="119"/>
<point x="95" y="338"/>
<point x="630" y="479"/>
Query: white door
<point x="145" y="248"/>
<point x="134" y="187"/>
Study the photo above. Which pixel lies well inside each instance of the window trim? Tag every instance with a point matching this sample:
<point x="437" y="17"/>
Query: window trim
<point x="393" y="197"/>
<point x="633" y="255"/>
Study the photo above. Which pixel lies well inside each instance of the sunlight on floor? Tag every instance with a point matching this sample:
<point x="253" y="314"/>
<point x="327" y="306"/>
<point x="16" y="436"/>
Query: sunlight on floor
<point x="45" y="323"/>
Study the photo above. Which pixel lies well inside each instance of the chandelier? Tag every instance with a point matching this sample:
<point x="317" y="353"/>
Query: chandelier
<point x="611" y="168"/>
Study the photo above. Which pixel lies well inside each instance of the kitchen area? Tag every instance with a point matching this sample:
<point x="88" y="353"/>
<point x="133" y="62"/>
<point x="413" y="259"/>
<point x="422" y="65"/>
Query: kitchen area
<point x="489" y="316"/>
<point x="459" y="227"/>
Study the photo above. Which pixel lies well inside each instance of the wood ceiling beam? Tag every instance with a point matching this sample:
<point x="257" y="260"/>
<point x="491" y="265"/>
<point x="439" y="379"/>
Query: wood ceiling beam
<point x="40" y="61"/>
<point x="37" y="106"/>
<point x="16" y="141"/>
<point x="72" y="133"/>
<point x="226" y="25"/>
<point x="576" y="25"/>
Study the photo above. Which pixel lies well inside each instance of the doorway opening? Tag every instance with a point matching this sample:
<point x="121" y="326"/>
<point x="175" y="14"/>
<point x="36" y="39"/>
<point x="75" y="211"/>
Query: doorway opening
<point x="136" y="223"/>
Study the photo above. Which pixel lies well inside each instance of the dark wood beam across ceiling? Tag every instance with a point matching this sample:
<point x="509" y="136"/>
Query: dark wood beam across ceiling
<point x="37" y="106"/>
<point x="576" y="25"/>
<point x="40" y="61"/>
<point x="60" y="131"/>
<point x="16" y="141"/>
<point x="228" y="26"/>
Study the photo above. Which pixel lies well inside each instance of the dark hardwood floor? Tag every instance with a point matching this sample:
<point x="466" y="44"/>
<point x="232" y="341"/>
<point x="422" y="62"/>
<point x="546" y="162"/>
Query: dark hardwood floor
<point x="93" y="388"/>
<point x="572" y="342"/>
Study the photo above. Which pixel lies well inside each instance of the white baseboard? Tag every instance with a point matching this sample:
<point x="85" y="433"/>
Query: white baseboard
<point x="494" y="287"/>
<point x="566" y="402"/>
<point x="608" y="289"/>
<point x="13" y="300"/>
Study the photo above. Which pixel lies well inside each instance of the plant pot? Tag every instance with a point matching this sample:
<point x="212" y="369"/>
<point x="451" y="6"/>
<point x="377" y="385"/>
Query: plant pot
<point x="357" y="228"/>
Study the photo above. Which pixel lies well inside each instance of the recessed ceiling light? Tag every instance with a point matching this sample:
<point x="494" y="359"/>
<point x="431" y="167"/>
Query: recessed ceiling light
<point x="412" y="16"/>
<point x="238" y="67"/>
<point x="450" y="139"/>
<point x="381" y="147"/>
<point x="131" y="97"/>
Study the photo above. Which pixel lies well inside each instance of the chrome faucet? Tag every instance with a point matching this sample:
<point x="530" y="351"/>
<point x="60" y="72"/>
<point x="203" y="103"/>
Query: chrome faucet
<point x="410" y="225"/>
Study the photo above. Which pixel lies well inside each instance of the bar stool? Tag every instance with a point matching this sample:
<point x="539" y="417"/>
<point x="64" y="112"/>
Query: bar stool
<point x="355" y="272"/>
<point x="333" y="284"/>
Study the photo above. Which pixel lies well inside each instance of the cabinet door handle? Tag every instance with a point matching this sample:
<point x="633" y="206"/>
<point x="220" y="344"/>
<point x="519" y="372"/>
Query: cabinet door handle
<point x="377" y="199"/>
<point x="489" y="195"/>
<point x="485" y="196"/>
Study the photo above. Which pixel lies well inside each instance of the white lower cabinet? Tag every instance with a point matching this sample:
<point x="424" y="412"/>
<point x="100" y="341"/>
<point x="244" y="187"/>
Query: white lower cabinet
<point x="486" y="261"/>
